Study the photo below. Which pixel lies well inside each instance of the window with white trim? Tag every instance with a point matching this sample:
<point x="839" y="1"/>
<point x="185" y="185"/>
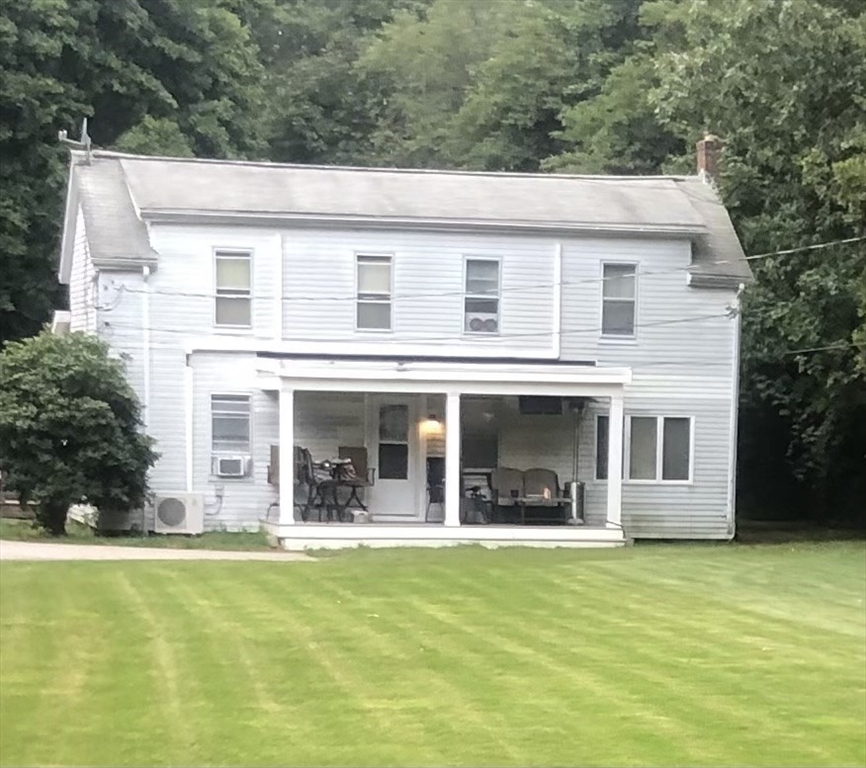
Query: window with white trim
<point x="234" y="294"/>
<point x="618" y="300"/>
<point x="230" y="424"/>
<point x="374" y="293"/>
<point x="660" y="448"/>
<point x="602" y="429"/>
<point x="481" y="304"/>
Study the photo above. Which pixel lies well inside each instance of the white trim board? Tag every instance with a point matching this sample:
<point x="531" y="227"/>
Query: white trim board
<point x="301" y="536"/>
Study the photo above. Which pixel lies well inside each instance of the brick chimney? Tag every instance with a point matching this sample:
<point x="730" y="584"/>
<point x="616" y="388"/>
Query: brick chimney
<point x="708" y="150"/>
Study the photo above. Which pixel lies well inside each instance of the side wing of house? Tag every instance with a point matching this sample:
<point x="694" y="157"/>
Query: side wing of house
<point x="681" y="407"/>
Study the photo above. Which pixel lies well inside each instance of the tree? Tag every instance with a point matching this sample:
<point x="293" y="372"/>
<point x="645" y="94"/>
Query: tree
<point x="70" y="428"/>
<point x="323" y="107"/>
<point x="153" y="76"/>
<point x="785" y="84"/>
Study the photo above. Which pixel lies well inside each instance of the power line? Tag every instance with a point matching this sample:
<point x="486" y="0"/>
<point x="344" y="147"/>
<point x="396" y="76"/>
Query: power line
<point x="449" y="338"/>
<point x="807" y="248"/>
<point x="508" y="290"/>
<point x="843" y="345"/>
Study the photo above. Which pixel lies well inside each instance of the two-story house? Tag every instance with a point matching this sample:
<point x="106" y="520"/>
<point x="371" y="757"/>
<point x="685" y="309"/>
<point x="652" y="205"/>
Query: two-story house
<point x="470" y="322"/>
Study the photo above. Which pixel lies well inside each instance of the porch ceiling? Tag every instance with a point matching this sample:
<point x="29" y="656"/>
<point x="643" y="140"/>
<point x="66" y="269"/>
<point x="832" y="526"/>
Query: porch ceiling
<point x="465" y="378"/>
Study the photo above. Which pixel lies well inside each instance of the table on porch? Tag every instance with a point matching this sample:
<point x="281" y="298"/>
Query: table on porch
<point x="326" y="493"/>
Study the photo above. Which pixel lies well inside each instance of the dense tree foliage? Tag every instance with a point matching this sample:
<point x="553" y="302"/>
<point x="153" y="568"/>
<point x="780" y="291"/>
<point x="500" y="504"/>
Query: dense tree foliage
<point x="593" y="86"/>
<point x="70" y="428"/>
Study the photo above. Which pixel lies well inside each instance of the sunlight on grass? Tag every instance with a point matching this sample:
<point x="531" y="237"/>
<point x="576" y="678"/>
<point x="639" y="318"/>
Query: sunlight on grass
<point x="646" y="656"/>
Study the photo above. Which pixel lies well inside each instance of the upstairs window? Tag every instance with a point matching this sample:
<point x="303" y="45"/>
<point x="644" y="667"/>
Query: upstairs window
<point x="619" y="298"/>
<point x="481" y="305"/>
<point x="374" y="293"/>
<point x="234" y="297"/>
<point x="660" y="448"/>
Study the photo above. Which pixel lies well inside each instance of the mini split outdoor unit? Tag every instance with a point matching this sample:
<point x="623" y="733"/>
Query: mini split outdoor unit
<point x="179" y="513"/>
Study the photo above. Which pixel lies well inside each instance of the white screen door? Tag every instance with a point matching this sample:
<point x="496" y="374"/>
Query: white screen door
<point x="392" y="440"/>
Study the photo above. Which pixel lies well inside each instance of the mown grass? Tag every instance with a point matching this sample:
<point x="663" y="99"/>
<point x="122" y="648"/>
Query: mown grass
<point x="25" y="530"/>
<point x="661" y="655"/>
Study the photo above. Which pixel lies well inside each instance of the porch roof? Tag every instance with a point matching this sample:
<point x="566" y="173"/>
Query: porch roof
<point x="476" y="378"/>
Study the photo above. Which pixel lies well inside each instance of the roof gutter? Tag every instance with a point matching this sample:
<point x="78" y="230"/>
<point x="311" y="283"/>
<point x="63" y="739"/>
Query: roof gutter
<point x="403" y="222"/>
<point x="723" y="282"/>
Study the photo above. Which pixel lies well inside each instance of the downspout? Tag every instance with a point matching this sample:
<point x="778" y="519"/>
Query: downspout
<point x="187" y="413"/>
<point x="735" y="408"/>
<point x="557" y="301"/>
<point x="145" y="341"/>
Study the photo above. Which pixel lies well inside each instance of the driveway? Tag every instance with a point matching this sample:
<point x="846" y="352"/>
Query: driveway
<point x="34" y="550"/>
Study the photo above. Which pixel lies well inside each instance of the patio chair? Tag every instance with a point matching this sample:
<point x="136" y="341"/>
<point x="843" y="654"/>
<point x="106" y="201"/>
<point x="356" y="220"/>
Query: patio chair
<point x="435" y="485"/>
<point x="541" y="489"/>
<point x="321" y="487"/>
<point x="355" y="475"/>
<point x="507" y="486"/>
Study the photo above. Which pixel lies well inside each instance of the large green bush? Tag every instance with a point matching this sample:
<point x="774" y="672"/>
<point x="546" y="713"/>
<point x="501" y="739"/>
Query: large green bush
<point x="70" y="428"/>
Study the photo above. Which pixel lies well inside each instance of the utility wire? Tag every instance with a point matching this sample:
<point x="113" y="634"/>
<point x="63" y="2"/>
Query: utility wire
<point x="449" y="338"/>
<point x="844" y="345"/>
<point x="491" y="295"/>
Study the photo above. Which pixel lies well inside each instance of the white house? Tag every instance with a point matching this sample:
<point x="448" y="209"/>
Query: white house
<point x="435" y="324"/>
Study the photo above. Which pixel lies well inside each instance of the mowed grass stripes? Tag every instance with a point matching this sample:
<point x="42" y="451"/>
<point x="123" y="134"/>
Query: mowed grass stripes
<point x="658" y="655"/>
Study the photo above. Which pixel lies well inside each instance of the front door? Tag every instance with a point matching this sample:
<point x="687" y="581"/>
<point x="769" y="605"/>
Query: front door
<point x="393" y="443"/>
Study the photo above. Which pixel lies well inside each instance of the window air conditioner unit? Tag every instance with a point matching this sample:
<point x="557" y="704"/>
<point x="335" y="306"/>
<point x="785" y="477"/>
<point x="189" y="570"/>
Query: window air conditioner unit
<point x="483" y="322"/>
<point x="178" y="513"/>
<point x="231" y="466"/>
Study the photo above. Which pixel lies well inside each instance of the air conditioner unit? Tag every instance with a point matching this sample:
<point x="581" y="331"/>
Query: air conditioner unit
<point x="482" y="322"/>
<point x="178" y="513"/>
<point x="231" y="466"/>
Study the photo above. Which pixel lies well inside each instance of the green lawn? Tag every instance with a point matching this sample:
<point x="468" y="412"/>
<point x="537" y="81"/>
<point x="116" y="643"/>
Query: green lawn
<point x="661" y="655"/>
<point x="25" y="530"/>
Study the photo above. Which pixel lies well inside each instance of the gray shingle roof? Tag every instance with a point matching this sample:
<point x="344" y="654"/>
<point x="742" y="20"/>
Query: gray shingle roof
<point x="114" y="230"/>
<point x="119" y="190"/>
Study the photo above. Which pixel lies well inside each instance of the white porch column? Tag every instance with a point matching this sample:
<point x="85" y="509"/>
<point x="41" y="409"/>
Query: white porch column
<point x="452" y="459"/>
<point x="614" y="461"/>
<point x="287" y="455"/>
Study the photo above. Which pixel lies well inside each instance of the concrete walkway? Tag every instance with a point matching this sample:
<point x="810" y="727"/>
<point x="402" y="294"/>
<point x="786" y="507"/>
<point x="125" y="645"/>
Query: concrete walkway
<point x="34" y="550"/>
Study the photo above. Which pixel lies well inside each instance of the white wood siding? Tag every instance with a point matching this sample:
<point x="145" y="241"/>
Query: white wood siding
<point x="183" y="286"/>
<point x="660" y="510"/>
<point x="319" y="286"/>
<point x="678" y="330"/>
<point x="82" y="308"/>
<point x="682" y="362"/>
<point x="244" y="500"/>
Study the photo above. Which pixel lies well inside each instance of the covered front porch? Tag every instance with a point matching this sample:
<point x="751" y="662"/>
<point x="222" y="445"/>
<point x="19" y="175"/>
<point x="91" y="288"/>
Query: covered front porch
<point x="445" y="452"/>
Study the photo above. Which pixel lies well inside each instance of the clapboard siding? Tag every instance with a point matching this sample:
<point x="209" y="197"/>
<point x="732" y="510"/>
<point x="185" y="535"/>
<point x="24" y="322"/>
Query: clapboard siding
<point x="326" y="420"/>
<point x="319" y="286"/>
<point x="680" y="331"/>
<point x="82" y="308"/>
<point x="304" y="287"/>
<point x="182" y="288"/>
<point x="699" y="510"/>
<point x="245" y="500"/>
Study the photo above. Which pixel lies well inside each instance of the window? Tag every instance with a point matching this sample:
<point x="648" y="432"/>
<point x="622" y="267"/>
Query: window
<point x="602" y="427"/>
<point x="619" y="292"/>
<point x="393" y="442"/>
<point x="230" y="423"/>
<point x="481" y="305"/>
<point x="234" y="298"/>
<point x="374" y="293"/>
<point x="660" y="448"/>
